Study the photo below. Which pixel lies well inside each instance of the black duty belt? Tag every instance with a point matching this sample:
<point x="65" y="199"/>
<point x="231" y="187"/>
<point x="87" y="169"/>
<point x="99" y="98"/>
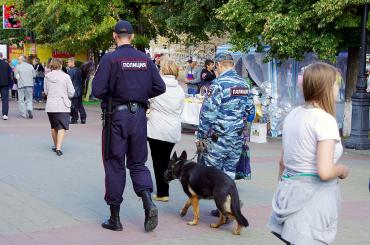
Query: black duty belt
<point x="133" y="107"/>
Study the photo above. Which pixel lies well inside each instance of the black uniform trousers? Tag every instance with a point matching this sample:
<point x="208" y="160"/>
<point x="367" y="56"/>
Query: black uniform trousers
<point x="128" y="139"/>
<point x="161" y="154"/>
<point x="5" y="100"/>
<point x="77" y="107"/>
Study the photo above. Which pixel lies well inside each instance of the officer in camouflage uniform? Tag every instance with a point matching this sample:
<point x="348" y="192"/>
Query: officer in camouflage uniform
<point x="221" y="117"/>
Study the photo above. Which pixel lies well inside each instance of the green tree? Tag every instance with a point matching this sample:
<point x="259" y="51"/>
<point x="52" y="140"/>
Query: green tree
<point x="294" y="27"/>
<point x="77" y="25"/>
<point x="194" y="19"/>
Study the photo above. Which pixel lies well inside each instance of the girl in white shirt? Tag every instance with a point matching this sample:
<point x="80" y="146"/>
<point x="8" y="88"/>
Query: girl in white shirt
<point x="164" y="125"/>
<point x="307" y="200"/>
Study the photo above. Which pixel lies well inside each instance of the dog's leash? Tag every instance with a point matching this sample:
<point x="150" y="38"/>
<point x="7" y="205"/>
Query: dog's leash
<point x="195" y="155"/>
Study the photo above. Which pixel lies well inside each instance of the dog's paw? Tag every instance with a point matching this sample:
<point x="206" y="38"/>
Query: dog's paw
<point x="192" y="223"/>
<point x="182" y="213"/>
<point x="236" y="232"/>
<point x="215" y="226"/>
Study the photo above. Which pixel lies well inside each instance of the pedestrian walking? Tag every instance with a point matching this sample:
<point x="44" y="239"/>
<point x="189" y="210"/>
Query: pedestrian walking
<point x="59" y="89"/>
<point x="221" y="122"/>
<point x="39" y="80"/>
<point x="25" y="74"/>
<point x="307" y="200"/>
<point x="88" y="71"/>
<point x="164" y="125"/>
<point x="77" y="106"/>
<point x="124" y="81"/>
<point x="6" y="83"/>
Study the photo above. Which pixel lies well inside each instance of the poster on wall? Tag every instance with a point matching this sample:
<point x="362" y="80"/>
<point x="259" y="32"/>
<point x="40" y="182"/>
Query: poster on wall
<point x="14" y="53"/>
<point x="11" y="17"/>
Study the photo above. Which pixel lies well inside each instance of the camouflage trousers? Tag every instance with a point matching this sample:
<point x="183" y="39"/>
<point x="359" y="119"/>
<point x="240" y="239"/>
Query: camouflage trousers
<point x="224" y="154"/>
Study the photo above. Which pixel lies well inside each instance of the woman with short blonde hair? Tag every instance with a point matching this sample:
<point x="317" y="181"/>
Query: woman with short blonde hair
<point x="307" y="200"/>
<point x="164" y="125"/>
<point x="169" y="67"/>
<point x="55" y="64"/>
<point x="59" y="89"/>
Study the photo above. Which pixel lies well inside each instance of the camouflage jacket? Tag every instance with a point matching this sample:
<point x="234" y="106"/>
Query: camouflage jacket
<point x="227" y="103"/>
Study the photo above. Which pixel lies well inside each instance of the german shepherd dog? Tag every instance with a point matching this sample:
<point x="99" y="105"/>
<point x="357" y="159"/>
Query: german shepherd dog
<point x="203" y="182"/>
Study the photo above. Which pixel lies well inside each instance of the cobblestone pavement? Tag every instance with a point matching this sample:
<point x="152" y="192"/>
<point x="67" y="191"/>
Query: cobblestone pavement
<point x="45" y="199"/>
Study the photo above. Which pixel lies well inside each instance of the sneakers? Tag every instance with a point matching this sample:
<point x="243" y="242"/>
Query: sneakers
<point x="5" y="117"/>
<point x="160" y="199"/>
<point x="58" y="152"/>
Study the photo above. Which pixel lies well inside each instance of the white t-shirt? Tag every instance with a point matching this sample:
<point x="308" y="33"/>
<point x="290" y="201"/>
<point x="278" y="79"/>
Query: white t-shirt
<point x="303" y="128"/>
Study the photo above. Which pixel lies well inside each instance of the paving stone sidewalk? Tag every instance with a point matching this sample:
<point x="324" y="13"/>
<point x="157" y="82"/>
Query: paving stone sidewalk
<point x="45" y="199"/>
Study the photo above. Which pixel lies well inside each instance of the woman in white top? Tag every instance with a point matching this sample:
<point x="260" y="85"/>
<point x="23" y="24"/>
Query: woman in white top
<point x="164" y="125"/>
<point x="307" y="200"/>
<point x="59" y="89"/>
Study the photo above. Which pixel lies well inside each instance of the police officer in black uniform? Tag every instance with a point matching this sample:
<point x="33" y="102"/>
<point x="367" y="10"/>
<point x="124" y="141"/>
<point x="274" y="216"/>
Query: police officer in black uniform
<point x="124" y="81"/>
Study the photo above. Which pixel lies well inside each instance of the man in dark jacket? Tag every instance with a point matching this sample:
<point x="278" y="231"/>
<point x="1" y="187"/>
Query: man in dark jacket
<point x="5" y="83"/>
<point x="207" y="75"/>
<point x="77" y="106"/>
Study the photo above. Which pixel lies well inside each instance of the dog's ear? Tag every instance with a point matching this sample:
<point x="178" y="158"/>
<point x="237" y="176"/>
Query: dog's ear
<point x="174" y="156"/>
<point x="184" y="155"/>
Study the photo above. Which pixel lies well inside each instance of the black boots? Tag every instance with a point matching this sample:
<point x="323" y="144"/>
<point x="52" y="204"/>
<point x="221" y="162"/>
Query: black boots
<point x="151" y="211"/>
<point x="151" y="215"/>
<point x="113" y="223"/>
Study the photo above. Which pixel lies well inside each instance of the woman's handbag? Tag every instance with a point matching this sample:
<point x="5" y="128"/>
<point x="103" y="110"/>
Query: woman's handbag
<point x="39" y="73"/>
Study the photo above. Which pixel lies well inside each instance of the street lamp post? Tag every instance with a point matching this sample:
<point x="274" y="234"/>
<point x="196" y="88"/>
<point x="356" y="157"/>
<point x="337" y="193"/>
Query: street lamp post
<point x="359" y="139"/>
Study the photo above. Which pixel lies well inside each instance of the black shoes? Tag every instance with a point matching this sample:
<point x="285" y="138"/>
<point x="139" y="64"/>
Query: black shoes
<point x="215" y="213"/>
<point x="58" y="152"/>
<point x="29" y="113"/>
<point x="113" y="223"/>
<point x="83" y="121"/>
<point x="151" y="211"/>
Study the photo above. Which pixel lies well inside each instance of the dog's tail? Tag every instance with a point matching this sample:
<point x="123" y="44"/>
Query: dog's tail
<point x="235" y="208"/>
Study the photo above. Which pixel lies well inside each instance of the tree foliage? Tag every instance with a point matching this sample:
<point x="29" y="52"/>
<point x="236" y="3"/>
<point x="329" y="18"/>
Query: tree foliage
<point x="194" y="19"/>
<point x="294" y="27"/>
<point x="82" y="24"/>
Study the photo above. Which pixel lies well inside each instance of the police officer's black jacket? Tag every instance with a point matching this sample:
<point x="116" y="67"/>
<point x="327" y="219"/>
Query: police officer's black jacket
<point x="127" y="75"/>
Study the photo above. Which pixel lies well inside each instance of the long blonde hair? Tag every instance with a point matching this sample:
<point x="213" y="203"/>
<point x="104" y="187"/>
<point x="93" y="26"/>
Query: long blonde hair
<point x="318" y="82"/>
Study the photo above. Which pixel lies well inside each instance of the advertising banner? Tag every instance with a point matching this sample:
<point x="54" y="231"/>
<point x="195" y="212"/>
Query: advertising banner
<point x="15" y="52"/>
<point x="62" y="54"/>
<point x="11" y="17"/>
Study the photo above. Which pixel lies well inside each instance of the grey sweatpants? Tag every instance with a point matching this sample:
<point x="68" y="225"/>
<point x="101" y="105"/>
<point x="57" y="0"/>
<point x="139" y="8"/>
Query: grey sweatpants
<point x="25" y="95"/>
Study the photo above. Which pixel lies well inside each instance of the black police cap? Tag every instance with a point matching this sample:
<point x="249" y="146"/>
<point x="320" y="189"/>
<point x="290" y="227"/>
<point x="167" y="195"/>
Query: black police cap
<point x="123" y="26"/>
